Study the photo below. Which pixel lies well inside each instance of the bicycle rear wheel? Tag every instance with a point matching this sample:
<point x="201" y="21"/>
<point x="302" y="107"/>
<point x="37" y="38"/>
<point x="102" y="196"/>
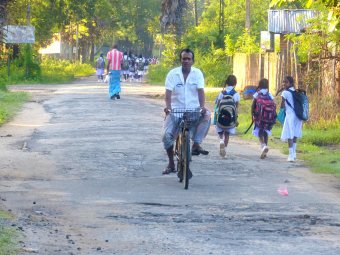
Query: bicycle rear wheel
<point x="186" y="157"/>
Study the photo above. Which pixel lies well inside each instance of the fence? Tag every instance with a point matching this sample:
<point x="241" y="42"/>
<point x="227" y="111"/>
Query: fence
<point x="250" y="68"/>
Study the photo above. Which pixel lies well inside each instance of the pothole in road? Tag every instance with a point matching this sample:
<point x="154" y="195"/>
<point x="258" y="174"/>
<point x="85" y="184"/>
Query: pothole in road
<point x="250" y="222"/>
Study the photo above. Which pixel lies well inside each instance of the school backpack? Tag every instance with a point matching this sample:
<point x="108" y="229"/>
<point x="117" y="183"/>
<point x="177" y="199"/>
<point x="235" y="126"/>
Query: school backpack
<point x="140" y="65"/>
<point x="100" y="64"/>
<point x="301" y="104"/>
<point x="265" y="111"/>
<point x="132" y="67"/>
<point x="226" y="110"/>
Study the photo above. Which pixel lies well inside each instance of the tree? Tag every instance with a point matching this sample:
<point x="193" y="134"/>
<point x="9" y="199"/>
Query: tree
<point x="172" y="15"/>
<point x="212" y="23"/>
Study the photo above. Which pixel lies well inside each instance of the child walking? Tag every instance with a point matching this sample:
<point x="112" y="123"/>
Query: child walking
<point x="264" y="114"/>
<point x="223" y="133"/>
<point x="292" y="126"/>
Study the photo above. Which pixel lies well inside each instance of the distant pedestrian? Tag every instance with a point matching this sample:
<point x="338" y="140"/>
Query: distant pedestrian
<point x="115" y="58"/>
<point x="100" y="66"/>
<point x="125" y="66"/>
<point x="292" y="126"/>
<point x="226" y="108"/>
<point x="263" y="111"/>
<point x="140" y="67"/>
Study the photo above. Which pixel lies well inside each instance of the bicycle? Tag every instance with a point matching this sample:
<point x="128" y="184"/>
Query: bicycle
<point x="187" y="118"/>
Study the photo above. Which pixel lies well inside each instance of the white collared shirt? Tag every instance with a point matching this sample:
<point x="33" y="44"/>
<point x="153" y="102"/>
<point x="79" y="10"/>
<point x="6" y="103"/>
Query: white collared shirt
<point x="184" y="94"/>
<point x="264" y="92"/>
<point x="288" y="96"/>
<point x="236" y="96"/>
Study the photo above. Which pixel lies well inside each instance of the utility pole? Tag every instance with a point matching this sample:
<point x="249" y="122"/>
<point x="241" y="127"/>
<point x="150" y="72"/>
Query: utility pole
<point x="221" y="23"/>
<point x="247" y="25"/>
<point x="28" y="48"/>
<point x="77" y="42"/>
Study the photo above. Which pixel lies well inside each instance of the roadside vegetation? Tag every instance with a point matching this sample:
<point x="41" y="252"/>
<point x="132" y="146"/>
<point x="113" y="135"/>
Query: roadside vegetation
<point x="47" y="71"/>
<point x="10" y="103"/>
<point x="8" y="235"/>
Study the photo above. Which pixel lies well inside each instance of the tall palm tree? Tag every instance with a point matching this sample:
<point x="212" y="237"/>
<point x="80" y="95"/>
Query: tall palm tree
<point x="172" y="15"/>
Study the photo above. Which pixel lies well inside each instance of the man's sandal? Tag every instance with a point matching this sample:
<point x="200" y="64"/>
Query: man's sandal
<point x="169" y="170"/>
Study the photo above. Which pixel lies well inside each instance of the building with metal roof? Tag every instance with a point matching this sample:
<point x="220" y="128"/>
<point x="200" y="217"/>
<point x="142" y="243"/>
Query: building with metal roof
<point x="289" y="21"/>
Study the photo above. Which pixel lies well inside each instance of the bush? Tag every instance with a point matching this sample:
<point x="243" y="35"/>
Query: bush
<point x="214" y="66"/>
<point x="157" y="73"/>
<point x="323" y="110"/>
<point x="48" y="71"/>
<point x="54" y="71"/>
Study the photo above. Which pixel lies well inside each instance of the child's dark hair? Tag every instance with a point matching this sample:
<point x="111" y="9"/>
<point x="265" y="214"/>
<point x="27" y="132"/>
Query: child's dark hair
<point x="231" y="80"/>
<point x="263" y="84"/>
<point x="290" y="80"/>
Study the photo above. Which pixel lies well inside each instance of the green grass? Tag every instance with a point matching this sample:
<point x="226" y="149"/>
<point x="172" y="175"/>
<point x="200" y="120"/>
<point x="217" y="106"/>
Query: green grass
<point x="62" y="71"/>
<point x="324" y="161"/>
<point x="8" y="244"/>
<point x="8" y="235"/>
<point x="51" y="71"/>
<point x="319" y="146"/>
<point x="10" y="103"/>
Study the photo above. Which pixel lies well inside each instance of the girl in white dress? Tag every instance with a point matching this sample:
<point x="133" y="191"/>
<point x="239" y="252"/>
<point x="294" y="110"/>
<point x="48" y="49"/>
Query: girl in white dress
<point x="292" y="126"/>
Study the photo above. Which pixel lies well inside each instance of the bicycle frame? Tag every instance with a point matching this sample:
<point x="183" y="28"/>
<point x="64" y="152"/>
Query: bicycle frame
<point x="188" y="118"/>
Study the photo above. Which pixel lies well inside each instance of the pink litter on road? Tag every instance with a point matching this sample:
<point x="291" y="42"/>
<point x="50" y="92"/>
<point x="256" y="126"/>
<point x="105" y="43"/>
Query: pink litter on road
<point x="283" y="191"/>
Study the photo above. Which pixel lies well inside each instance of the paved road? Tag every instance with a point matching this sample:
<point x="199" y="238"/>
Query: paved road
<point x="82" y="174"/>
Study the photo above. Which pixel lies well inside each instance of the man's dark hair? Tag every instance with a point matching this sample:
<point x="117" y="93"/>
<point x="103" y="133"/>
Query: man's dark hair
<point x="187" y="51"/>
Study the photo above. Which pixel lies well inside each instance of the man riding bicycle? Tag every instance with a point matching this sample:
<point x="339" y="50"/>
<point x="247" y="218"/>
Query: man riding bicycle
<point x="184" y="88"/>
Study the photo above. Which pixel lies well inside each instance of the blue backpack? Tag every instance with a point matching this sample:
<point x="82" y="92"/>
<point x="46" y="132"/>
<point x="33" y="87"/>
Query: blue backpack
<point x="301" y="104"/>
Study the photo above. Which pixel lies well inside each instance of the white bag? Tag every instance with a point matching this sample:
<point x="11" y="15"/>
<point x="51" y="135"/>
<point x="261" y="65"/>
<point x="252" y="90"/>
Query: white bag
<point x="107" y="78"/>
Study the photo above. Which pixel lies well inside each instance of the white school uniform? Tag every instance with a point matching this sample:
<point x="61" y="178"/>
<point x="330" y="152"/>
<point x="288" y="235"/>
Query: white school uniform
<point x="236" y="98"/>
<point x="257" y="129"/>
<point x="292" y="126"/>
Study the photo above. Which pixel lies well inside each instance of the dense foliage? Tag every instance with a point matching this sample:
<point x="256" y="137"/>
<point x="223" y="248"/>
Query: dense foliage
<point x="86" y="23"/>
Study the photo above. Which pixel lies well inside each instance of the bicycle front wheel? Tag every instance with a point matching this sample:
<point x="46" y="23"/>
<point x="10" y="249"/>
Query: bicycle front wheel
<point x="178" y="155"/>
<point x="186" y="157"/>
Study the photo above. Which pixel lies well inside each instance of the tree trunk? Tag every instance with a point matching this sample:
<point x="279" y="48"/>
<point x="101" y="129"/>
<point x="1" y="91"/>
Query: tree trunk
<point x="172" y="14"/>
<point x="196" y="14"/>
<point x="92" y="52"/>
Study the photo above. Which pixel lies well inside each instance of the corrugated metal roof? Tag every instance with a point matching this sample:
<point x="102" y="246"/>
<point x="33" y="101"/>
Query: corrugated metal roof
<point x="289" y="21"/>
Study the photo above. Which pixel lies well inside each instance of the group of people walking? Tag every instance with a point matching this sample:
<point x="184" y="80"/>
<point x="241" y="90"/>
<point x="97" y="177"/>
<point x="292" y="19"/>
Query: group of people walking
<point x="121" y="67"/>
<point x="184" y="88"/>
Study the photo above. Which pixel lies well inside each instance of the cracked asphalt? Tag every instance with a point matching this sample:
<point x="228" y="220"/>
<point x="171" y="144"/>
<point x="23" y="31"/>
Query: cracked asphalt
<point x="82" y="175"/>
